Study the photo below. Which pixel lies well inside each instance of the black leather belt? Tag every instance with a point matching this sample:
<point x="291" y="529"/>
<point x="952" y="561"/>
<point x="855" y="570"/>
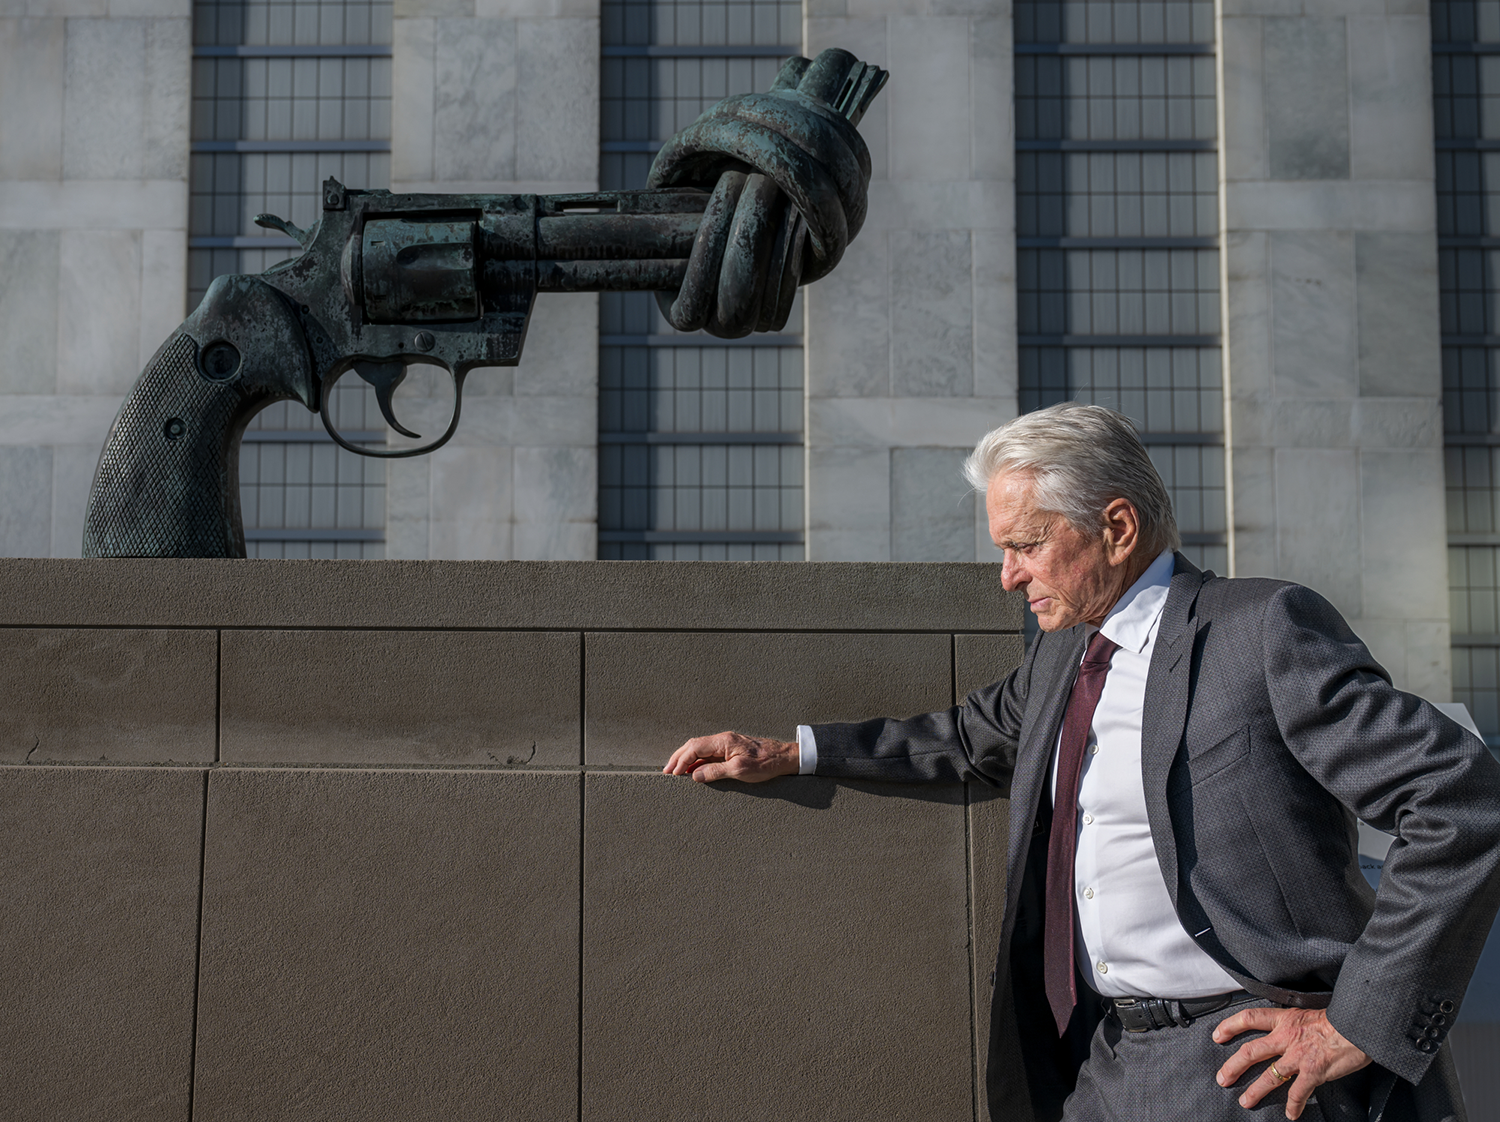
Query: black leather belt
<point x="1142" y="1014"/>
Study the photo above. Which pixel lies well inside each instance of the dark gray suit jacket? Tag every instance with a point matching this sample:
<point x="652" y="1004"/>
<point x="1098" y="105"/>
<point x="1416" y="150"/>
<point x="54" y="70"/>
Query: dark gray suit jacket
<point x="1268" y="727"/>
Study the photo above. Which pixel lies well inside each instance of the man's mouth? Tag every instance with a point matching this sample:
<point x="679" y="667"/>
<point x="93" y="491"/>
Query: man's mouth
<point x="1037" y="604"/>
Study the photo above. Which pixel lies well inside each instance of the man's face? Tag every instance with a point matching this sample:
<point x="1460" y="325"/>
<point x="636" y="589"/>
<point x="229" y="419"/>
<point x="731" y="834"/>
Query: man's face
<point x="1067" y="576"/>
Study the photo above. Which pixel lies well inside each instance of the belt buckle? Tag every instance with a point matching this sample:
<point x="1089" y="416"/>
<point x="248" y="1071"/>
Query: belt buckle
<point x="1132" y="1014"/>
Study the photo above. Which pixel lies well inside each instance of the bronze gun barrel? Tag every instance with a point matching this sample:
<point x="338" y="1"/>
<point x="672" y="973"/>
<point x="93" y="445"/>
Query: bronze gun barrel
<point x="597" y="252"/>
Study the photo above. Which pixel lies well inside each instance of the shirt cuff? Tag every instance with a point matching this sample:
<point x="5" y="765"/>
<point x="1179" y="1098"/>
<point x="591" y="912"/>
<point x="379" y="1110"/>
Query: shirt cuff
<point x="807" y="750"/>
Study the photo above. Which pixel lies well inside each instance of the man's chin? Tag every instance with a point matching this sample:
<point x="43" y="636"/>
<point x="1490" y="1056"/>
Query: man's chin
<point x="1049" y="618"/>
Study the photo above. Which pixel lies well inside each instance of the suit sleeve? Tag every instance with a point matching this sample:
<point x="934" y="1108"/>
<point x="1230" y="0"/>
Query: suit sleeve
<point x="1406" y="769"/>
<point x="975" y="740"/>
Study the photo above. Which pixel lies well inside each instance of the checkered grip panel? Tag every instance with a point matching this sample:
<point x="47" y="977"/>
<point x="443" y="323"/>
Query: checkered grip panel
<point x="166" y="484"/>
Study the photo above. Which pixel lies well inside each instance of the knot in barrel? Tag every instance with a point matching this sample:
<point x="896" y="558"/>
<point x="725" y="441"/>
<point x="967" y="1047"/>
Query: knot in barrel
<point x="789" y="175"/>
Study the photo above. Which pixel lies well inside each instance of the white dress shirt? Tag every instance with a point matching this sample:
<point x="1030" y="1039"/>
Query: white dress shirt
<point x="1128" y="939"/>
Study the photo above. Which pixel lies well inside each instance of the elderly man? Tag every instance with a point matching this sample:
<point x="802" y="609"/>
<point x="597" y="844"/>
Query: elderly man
<point x="1186" y="756"/>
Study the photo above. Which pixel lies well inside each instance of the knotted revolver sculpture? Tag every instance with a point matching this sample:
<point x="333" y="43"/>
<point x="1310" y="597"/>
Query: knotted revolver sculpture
<point x="761" y="194"/>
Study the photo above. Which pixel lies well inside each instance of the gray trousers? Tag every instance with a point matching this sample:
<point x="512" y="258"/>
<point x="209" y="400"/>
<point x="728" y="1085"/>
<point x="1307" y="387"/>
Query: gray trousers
<point x="1169" y="1074"/>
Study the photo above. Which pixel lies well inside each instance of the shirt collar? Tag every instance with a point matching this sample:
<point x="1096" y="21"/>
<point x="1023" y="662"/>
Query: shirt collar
<point x="1132" y="619"/>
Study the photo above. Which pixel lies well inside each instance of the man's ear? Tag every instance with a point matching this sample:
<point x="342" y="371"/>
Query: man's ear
<point x="1121" y="530"/>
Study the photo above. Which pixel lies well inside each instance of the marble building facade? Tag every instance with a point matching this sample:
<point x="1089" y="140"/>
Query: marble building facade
<point x="1317" y="453"/>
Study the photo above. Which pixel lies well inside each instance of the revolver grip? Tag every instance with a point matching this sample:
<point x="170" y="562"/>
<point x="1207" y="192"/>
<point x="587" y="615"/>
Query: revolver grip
<point x="167" y="484"/>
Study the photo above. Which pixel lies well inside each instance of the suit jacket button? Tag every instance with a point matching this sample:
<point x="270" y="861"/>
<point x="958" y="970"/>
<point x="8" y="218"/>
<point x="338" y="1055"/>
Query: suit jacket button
<point x="1433" y="1034"/>
<point x="1439" y="1019"/>
<point x="1426" y="1046"/>
<point x="1445" y="1006"/>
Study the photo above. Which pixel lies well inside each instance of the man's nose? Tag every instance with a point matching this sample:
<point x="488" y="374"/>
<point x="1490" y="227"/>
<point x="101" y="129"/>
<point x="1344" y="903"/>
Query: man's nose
<point x="1012" y="573"/>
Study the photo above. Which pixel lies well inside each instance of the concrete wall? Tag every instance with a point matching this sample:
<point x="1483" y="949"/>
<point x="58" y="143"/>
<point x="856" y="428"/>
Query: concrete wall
<point x="911" y="342"/>
<point x="1331" y="311"/>
<point x="93" y="239"/>
<point x="344" y="840"/>
<point x="503" y="96"/>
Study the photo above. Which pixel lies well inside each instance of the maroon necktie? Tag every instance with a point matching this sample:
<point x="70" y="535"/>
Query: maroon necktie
<point x="1062" y="846"/>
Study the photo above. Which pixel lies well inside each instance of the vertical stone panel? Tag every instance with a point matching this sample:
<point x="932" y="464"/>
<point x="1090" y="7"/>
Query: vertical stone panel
<point x="165" y="98"/>
<point x="1389" y="59"/>
<point x="1399" y="346"/>
<point x="413" y="100"/>
<point x="471" y="503"/>
<point x="1307" y="97"/>
<point x="1313" y="305"/>
<point x="1318" y="524"/>
<point x="556" y="504"/>
<point x="389" y="944"/>
<point x="474" y="110"/>
<point x="73" y="468"/>
<point x="932" y="314"/>
<point x="28" y="308"/>
<point x="26" y="513"/>
<point x="408" y="486"/>
<point x="922" y="309"/>
<point x="849" y="503"/>
<point x="503" y="96"/>
<point x="930" y="106"/>
<point x="100" y="925"/>
<point x="1396" y="486"/>
<point x="1330" y="294"/>
<point x="31" y="98"/>
<point x="163" y="288"/>
<point x="848" y="323"/>
<point x="99" y="322"/>
<point x="557" y="100"/>
<point x="932" y="506"/>
<point x="105" y="109"/>
<point x="857" y="894"/>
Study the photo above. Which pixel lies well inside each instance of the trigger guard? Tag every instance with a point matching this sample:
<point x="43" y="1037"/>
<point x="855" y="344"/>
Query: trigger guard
<point x="398" y="453"/>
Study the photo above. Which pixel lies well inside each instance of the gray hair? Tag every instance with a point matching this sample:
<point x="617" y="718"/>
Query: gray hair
<point x="1080" y="459"/>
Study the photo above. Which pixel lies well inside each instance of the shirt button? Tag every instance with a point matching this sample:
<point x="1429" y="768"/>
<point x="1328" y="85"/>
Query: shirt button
<point x="1088" y="819"/>
<point x="1088" y="893"/>
<point x="1094" y="750"/>
<point x="1104" y="969"/>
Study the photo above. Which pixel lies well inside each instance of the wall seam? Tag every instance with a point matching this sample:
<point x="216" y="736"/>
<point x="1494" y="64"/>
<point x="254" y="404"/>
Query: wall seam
<point x="969" y="924"/>
<point x="198" y="947"/>
<point x="582" y="828"/>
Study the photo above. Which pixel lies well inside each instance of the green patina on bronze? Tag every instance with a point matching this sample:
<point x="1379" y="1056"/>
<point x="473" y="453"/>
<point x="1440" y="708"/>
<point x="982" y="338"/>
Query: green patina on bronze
<point x="759" y="195"/>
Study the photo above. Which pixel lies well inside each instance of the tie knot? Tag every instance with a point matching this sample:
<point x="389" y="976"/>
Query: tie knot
<point x="1100" y="650"/>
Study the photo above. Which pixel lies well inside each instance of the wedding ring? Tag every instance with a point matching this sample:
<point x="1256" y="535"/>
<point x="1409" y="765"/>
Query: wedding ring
<point x="1276" y="1075"/>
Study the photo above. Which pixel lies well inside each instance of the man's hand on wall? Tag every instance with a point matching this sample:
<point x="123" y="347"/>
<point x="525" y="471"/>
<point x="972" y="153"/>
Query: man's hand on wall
<point x="732" y="755"/>
<point x="1302" y="1045"/>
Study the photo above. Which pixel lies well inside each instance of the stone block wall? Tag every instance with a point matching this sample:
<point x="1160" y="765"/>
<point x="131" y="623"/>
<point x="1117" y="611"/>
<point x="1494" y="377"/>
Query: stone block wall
<point x="911" y="342"/>
<point x="1331" y="313"/>
<point x="93" y="239"/>
<point x="502" y="96"/>
<point x="344" y="839"/>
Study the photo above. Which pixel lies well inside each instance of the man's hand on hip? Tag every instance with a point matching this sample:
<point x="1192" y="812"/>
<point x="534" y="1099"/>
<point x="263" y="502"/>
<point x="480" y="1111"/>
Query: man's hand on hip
<point x="1302" y="1045"/>
<point x="732" y="755"/>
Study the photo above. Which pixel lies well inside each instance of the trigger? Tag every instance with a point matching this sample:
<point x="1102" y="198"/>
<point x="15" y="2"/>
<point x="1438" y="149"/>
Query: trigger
<point x="384" y="377"/>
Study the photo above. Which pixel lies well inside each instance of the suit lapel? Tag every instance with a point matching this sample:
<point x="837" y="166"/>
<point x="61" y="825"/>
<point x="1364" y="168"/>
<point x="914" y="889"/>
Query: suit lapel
<point x="1168" y="686"/>
<point x="1038" y="740"/>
